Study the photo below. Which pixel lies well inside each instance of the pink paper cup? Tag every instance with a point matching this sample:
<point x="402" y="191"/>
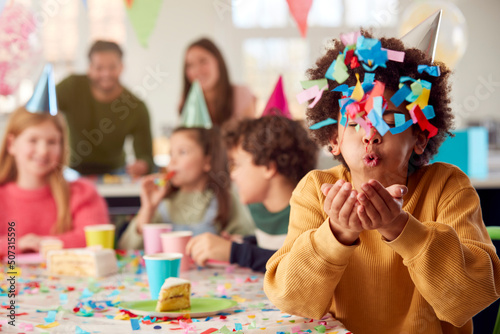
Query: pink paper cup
<point x="151" y="234"/>
<point x="176" y="242"/>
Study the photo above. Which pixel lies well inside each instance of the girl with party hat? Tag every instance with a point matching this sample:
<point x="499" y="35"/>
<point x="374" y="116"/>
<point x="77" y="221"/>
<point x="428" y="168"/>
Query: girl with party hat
<point x="385" y="242"/>
<point x="35" y="199"/>
<point x="197" y="196"/>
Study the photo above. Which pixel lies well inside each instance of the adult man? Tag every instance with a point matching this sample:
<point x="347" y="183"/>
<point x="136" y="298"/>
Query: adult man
<point x="101" y="113"/>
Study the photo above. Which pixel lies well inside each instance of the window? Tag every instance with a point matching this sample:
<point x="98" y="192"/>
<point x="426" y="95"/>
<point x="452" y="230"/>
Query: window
<point x="107" y="20"/>
<point x="271" y="44"/>
<point x="266" y="58"/>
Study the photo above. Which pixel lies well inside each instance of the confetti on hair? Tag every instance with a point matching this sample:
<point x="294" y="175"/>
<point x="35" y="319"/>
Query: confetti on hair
<point x="321" y="124"/>
<point x="364" y="103"/>
<point x="434" y="71"/>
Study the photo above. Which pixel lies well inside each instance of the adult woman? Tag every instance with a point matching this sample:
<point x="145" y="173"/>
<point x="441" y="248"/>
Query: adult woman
<point x="226" y="102"/>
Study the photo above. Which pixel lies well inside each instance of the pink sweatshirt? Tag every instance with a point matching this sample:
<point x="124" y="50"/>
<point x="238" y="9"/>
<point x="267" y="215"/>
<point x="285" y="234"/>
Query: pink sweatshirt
<point x="34" y="211"/>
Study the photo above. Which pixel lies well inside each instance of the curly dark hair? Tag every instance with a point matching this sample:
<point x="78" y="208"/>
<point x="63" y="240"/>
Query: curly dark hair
<point x="439" y="98"/>
<point x="276" y="139"/>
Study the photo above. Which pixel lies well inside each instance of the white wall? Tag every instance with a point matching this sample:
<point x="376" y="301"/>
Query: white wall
<point x="181" y="22"/>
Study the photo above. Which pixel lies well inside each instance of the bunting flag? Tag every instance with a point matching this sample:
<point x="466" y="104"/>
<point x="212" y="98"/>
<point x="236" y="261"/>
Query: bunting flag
<point x="300" y="10"/>
<point x="277" y="104"/>
<point x="143" y="16"/>
<point x="129" y="3"/>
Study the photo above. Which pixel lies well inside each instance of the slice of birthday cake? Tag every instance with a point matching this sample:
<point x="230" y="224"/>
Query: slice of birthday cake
<point x="175" y="294"/>
<point x="82" y="262"/>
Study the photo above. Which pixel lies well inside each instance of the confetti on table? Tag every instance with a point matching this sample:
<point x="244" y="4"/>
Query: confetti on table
<point x="53" y="324"/>
<point x="210" y="330"/>
<point x="135" y="324"/>
<point x="81" y="331"/>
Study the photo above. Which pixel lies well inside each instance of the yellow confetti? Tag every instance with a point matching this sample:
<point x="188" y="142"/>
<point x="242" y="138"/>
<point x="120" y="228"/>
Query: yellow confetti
<point x="52" y="324"/>
<point x="122" y="316"/>
<point x="238" y="299"/>
<point x="336" y="332"/>
<point x="251" y="316"/>
<point x="279" y="321"/>
<point x="358" y="91"/>
<point x="422" y="100"/>
<point x="141" y="284"/>
<point x="227" y="285"/>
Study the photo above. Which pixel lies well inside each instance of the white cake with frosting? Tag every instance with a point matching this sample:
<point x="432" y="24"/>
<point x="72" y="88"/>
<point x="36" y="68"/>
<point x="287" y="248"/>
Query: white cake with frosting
<point x="82" y="262"/>
<point x="175" y="294"/>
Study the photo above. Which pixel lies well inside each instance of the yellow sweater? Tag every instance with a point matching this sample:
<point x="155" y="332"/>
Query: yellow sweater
<point x="433" y="278"/>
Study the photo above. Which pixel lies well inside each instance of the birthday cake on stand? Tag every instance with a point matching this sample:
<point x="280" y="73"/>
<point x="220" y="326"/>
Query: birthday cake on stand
<point x="89" y="262"/>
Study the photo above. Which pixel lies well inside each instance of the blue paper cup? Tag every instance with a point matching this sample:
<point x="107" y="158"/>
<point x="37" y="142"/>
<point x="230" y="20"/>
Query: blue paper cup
<point x="159" y="267"/>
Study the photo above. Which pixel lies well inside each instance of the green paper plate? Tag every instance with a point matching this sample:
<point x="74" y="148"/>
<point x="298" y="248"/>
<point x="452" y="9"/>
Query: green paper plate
<point x="200" y="307"/>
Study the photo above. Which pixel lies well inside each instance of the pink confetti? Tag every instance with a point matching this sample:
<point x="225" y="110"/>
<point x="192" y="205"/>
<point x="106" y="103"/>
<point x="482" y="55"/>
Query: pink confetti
<point x="363" y="124"/>
<point x="308" y="94"/>
<point x="350" y="38"/>
<point x="318" y="97"/>
<point x="398" y="56"/>
<point x="26" y="327"/>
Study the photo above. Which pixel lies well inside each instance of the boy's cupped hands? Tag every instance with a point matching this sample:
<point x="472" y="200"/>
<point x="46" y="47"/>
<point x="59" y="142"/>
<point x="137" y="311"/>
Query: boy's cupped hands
<point x="373" y="208"/>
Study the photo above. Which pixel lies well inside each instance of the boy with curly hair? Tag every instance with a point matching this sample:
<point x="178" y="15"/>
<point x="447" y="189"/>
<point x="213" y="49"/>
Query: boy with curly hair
<point x="269" y="156"/>
<point x="386" y="242"/>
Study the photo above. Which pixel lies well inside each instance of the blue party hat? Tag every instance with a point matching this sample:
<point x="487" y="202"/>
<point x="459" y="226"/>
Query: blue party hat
<point x="44" y="98"/>
<point x="195" y="111"/>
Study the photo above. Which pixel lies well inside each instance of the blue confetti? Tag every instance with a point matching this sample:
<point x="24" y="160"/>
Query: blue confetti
<point x="223" y="313"/>
<point x="208" y="318"/>
<point x="434" y="71"/>
<point x="135" y="324"/>
<point x="400" y="95"/>
<point x="238" y="326"/>
<point x="378" y="122"/>
<point x="399" y="119"/>
<point x="343" y="120"/>
<point x="86" y="293"/>
<point x="369" y="77"/>
<point x="51" y="317"/>
<point x="321" y="124"/>
<point x="81" y="331"/>
<point x="269" y="309"/>
<point x="157" y="327"/>
<point x="429" y="112"/>
<point x="401" y="128"/>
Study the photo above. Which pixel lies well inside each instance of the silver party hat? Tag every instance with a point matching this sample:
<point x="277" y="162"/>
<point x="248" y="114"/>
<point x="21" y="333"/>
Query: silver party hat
<point x="424" y="36"/>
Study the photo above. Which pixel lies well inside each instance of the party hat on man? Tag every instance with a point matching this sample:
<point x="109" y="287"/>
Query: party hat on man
<point x="277" y="104"/>
<point x="44" y="98"/>
<point x="424" y="36"/>
<point x="195" y="111"/>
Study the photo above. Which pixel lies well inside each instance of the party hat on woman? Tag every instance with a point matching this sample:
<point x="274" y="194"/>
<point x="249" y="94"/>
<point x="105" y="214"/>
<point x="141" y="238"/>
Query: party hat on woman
<point x="195" y="111"/>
